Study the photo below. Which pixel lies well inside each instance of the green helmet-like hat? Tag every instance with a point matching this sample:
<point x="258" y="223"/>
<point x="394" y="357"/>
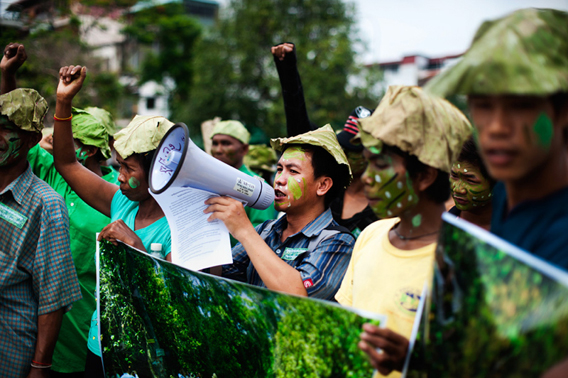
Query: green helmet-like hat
<point x="25" y="108"/>
<point x="524" y="53"/>
<point x="423" y="125"/>
<point x="93" y="127"/>
<point x="232" y="128"/>
<point x="260" y="156"/>
<point x="323" y="137"/>
<point x="142" y="134"/>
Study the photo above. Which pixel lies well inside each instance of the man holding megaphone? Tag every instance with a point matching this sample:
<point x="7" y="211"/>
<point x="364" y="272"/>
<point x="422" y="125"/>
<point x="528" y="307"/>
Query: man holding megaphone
<point x="229" y="144"/>
<point x="305" y="252"/>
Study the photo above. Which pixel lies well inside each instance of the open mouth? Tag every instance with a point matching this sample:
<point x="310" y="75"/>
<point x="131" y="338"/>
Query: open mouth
<point x="461" y="200"/>
<point x="278" y="194"/>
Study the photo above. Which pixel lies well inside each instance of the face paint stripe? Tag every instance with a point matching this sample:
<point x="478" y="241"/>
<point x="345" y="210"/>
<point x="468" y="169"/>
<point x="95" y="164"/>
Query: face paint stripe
<point x="390" y="181"/>
<point x="474" y="192"/>
<point x="395" y="199"/>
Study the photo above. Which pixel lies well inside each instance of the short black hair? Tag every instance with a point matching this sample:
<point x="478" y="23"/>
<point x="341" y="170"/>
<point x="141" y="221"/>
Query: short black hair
<point x="439" y="190"/>
<point x="324" y="164"/>
<point x="470" y="154"/>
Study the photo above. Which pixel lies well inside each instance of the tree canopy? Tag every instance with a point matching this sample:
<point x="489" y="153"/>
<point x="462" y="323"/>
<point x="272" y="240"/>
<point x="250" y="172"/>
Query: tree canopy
<point x="166" y="35"/>
<point x="235" y="76"/>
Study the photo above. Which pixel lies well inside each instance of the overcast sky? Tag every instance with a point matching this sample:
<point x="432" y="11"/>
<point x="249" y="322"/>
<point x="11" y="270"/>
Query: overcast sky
<point x="395" y="28"/>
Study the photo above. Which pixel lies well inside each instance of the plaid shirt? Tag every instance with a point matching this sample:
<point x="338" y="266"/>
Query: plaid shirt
<point x="37" y="275"/>
<point x="321" y="269"/>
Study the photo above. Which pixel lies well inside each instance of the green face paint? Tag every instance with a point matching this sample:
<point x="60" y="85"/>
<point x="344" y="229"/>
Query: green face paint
<point x="295" y="188"/>
<point x="81" y="155"/>
<point x="10" y="145"/>
<point x="470" y="189"/>
<point x="389" y="190"/>
<point x="543" y="130"/>
<point x="357" y="162"/>
<point x="294" y="153"/>
<point x="133" y="182"/>
<point x="374" y="150"/>
<point x="296" y="184"/>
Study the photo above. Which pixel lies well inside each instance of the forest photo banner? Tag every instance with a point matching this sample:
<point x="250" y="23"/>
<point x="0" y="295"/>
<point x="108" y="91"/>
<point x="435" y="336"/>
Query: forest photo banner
<point x="496" y="311"/>
<point x="161" y="320"/>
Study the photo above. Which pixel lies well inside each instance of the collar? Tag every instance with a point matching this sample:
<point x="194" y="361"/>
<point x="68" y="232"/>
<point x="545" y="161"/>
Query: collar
<point x="313" y="228"/>
<point x="20" y="186"/>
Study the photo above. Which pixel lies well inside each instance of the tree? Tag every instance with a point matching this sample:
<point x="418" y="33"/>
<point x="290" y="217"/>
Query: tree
<point x="167" y="36"/>
<point x="235" y="75"/>
<point x="49" y="48"/>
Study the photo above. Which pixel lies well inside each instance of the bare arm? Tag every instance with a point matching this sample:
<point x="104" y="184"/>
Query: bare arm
<point x="274" y="272"/>
<point x="12" y="59"/>
<point x="48" y="326"/>
<point x="92" y="189"/>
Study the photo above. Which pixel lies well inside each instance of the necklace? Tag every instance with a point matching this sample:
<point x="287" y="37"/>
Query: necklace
<point x="401" y="237"/>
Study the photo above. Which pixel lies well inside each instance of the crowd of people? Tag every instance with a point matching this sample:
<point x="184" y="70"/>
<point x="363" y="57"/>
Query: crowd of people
<point x="356" y="214"/>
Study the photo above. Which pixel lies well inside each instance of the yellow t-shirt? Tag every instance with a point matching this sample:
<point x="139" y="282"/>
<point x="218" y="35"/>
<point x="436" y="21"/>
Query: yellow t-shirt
<point x="386" y="280"/>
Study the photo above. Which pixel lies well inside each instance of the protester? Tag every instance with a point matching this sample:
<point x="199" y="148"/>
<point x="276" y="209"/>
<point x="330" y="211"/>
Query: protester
<point x="471" y="187"/>
<point x="352" y="210"/>
<point x="38" y="283"/>
<point x="304" y="252"/>
<point x="230" y="143"/>
<point x="516" y="77"/>
<point x="410" y="143"/>
<point x="92" y="128"/>
<point x="137" y="219"/>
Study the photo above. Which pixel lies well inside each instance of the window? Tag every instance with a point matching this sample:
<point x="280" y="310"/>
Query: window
<point x="150" y="102"/>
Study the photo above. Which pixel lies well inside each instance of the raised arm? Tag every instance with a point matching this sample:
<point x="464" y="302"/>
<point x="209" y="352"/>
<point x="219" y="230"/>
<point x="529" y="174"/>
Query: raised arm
<point x="94" y="190"/>
<point x="297" y="120"/>
<point x="13" y="57"/>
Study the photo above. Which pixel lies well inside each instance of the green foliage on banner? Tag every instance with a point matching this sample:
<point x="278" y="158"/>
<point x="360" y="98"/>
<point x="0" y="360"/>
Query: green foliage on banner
<point x="495" y="317"/>
<point x="162" y="320"/>
<point x="305" y="340"/>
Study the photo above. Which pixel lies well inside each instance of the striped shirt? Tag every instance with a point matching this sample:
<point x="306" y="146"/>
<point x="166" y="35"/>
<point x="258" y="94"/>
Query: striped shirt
<point x="322" y="269"/>
<point x="37" y="275"/>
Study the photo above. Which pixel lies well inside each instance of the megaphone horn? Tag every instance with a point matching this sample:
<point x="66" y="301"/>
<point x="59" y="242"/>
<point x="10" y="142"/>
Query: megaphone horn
<point x="178" y="162"/>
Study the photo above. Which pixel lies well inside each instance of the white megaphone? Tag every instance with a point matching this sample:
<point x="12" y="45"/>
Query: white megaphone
<point x="178" y="162"/>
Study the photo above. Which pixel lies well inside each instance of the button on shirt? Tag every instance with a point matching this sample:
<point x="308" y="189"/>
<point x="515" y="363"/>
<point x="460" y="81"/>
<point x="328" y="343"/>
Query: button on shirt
<point x="321" y="269"/>
<point x="37" y="275"/>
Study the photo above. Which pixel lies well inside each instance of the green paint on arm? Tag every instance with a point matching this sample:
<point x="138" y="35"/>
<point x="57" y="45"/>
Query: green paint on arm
<point x="543" y="130"/>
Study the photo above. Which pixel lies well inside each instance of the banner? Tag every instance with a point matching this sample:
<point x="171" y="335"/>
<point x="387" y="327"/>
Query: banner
<point x="496" y="311"/>
<point x="160" y="320"/>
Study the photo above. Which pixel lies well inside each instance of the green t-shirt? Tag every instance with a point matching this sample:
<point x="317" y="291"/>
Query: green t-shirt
<point x="255" y="216"/>
<point x="158" y="232"/>
<point x="84" y="222"/>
